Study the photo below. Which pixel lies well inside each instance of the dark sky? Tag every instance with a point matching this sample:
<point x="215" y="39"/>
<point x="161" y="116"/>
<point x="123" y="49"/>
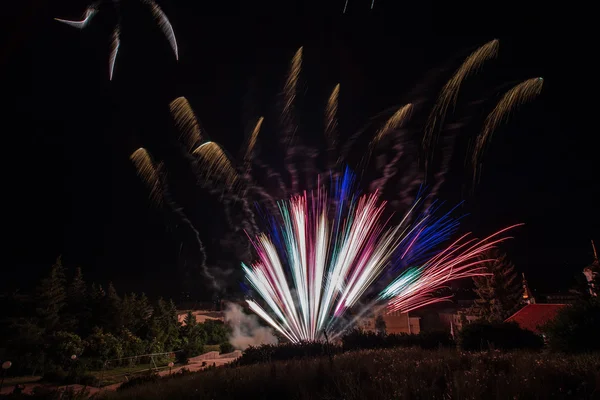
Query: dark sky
<point x="70" y="188"/>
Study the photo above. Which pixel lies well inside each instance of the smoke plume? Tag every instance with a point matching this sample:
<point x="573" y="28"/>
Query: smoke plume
<point x="246" y="331"/>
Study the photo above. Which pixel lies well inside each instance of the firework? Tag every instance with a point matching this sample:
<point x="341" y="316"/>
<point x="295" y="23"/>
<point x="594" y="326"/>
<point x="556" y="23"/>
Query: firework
<point x="252" y="143"/>
<point x="518" y="95"/>
<point x="215" y="164"/>
<point x="449" y="93"/>
<point x="87" y="16"/>
<point x="415" y="287"/>
<point x="394" y="122"/>
<point x="331" y="117"/>
<point x="114" y="51"/>
<point x="334" y="254"/>
<point x="186" y="122"/>
<point x="148" y="173"/>
<point x="163" y="23"/>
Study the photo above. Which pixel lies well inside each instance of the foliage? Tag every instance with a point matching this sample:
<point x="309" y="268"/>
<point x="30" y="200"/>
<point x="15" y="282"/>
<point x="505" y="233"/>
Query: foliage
<point x="390" y="374"/>
<point x="69" y="317"/>
<point x="499" y="294"/>
<point x="576" y="328"/>
<point x="216" y="331"/>
<point x="359" y="340"/>
<point x="51" y="297"/>
<point x="380" y="325"/>
<point x="482" y="336"/>
<point x="226" y="347"/>
<point x="61" y="346"/>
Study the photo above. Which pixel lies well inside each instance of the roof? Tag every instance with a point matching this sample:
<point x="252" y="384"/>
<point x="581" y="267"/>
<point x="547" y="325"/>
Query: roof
<point x="532" y="316"/>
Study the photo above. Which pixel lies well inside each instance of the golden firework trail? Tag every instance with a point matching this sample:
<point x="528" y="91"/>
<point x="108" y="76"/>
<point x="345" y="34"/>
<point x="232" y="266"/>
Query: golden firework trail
<point x="331" y="122"/>
<point x="396" y="121"/>
<point x="515" y="97"/>
<point x="449" y="93"/>
<point x="148" y="173"/>
<point x="215" y="164"/>
<point x="252" y="142"/>
<point x="291" y="83"/>
<point x="186" y="122"/>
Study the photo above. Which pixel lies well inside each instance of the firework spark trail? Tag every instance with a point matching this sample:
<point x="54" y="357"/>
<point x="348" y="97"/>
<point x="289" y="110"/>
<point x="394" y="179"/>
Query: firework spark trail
<point x="87" y="16"/>
<point x="462" y="259"/>
<point x="331" y="122"/>
<point x="114" y="51"/>
<point x="288" y="118"/>
<point x="396" y="121"/>
<point x="159" y="15"/>
<point x="449" y="93"/>
<point x="147" y="172"/>
<point x="251" y="143"/>
<point x="186" y="121"/>
<point x="518" y="95"/>
<point x="333" y="261"/>
<point x="165" y="25"/>
<point x="215" y="164"/>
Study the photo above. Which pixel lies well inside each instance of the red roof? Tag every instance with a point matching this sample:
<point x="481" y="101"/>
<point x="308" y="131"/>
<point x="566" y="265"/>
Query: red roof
<point x="532" y="316"/>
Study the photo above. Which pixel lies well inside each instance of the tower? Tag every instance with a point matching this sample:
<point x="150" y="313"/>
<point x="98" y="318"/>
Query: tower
<point x="527" y="295"/>
<point x="591" y="272"/>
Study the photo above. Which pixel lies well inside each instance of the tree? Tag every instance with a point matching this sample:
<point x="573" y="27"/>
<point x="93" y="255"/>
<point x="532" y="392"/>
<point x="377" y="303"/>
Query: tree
<point x="576" y="328"/>
<point x="51" y="297"/>
<point x="78" y="312"/>
<point x="500" y="292"/>
<point x="193" y="338"/>
<point x="112" y="312"/>
<point x="380" y="325"/>
<point x="61" y="346"/>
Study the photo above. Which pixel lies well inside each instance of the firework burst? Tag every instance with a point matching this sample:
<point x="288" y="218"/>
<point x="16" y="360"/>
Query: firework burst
<point x="161" y="19"/>
<point x="321" y="257"/>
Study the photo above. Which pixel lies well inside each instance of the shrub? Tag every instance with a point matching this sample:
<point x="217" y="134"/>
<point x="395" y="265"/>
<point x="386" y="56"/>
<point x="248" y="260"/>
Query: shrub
<point x="576" y="328"/>
<point x="226" y="347"/>
<point x="482" y="336"/>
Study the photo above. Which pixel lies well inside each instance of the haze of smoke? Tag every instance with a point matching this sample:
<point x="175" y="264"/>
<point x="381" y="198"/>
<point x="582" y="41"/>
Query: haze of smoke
<point x="246" y="331"/>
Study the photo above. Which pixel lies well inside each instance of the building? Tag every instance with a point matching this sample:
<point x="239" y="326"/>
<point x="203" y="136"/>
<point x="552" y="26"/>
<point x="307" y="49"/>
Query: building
<point x="533" y="316"/>
<point x="201" y="315"/>
<point x="395" y="322"/>
<point x="591" y="272"/>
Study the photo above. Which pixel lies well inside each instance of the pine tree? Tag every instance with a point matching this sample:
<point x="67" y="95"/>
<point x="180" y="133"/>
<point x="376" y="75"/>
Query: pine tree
<point x="499" y="294"/>
<point x="380" y="325"/>
<point x="112" y="312"/>
<point x="77" y="303"/>
<point x="51" y="297"/>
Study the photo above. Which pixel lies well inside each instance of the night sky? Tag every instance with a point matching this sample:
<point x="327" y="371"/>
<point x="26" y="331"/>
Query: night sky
<point x="70" y="189"/>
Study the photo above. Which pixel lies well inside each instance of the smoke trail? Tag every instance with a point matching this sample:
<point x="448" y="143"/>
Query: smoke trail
<point x="396" y="121"/>
<point x="518" y="95"/>
<point x="186" y="121"/>
<point x="246" y="330"/>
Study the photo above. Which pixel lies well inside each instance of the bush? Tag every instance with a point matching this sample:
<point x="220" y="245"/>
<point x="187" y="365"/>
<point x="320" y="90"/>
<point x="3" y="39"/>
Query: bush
<point x="482" y="336"/>
<point x="359" y="340"/>
<point x="576" y="328"/>
<point x="226" y="347"/>
<point x="286" y="351"/>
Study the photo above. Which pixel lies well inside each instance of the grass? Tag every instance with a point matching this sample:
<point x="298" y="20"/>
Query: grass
<point x="20" y="380"/>
<point x="390" y="374"/>
<point x="211" y="347"/>
<point x="116" y="375"/>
